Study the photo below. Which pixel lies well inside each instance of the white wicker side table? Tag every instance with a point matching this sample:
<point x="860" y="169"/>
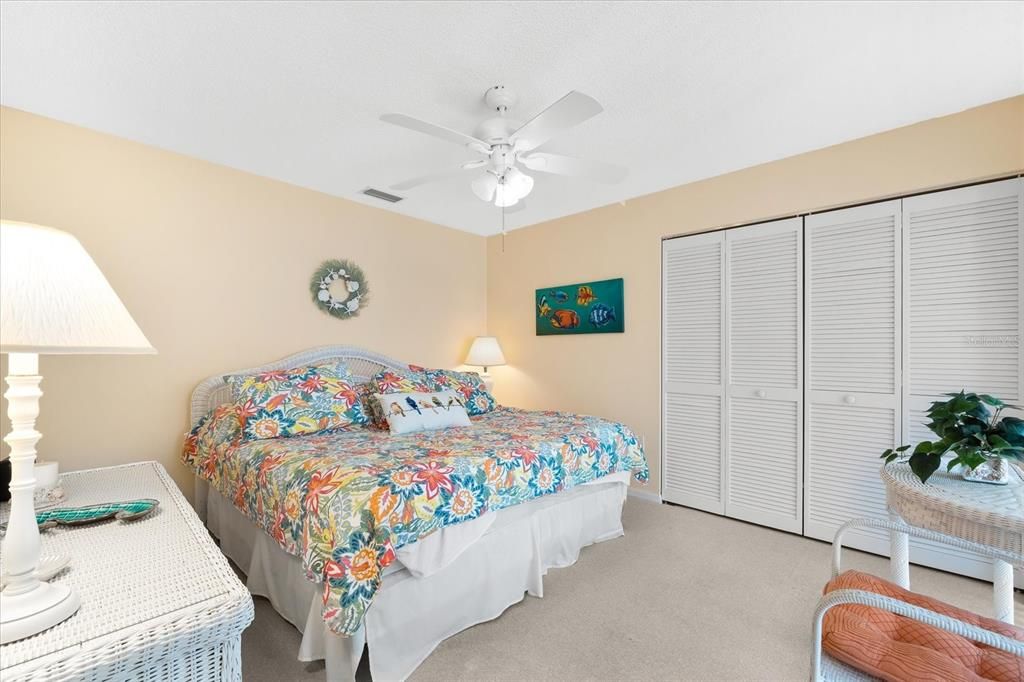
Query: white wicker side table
<point x="991" y="515"/>
<point x="159" y="601"/>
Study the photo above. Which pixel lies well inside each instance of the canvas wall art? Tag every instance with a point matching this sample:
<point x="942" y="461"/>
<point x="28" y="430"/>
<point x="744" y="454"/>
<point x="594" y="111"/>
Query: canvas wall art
<point x="586" y="308"/>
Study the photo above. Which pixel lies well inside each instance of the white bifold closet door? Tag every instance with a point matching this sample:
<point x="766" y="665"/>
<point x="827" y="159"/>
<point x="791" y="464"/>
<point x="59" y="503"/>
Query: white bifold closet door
<point x="764" y="374"/>
<point x="693" y="362"/>
<point x="732" y="373"/>
<point x="963" y="296"/>
<point x="963" y="273"/>
<point x="853" y="355"/>
<point x="905" y="300"/>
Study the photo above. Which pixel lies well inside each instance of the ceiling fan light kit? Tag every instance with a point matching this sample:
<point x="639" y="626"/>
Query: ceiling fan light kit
<point x="507" y="145"/>
<point x="485" y="186"/>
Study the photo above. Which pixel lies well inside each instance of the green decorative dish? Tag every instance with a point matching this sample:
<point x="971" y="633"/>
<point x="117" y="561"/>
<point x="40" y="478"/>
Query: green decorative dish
<point x="78" y="516"/>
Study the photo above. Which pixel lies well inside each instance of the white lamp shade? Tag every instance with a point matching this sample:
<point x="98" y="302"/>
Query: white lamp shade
<point x="54" y="299"/>
<point x="485" y="352"/>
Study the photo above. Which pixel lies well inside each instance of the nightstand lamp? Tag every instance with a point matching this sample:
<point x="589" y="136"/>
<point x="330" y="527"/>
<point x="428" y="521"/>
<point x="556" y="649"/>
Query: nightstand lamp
<point x="485" y="352"/>
<point x="53" y="300"/>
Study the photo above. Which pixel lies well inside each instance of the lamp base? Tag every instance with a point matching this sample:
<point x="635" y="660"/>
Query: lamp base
<point x="488" y="381"/>
<point x="45" y="605"/>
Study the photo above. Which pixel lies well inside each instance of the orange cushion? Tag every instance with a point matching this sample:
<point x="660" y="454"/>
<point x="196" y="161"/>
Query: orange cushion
<point x="894" y="647"/>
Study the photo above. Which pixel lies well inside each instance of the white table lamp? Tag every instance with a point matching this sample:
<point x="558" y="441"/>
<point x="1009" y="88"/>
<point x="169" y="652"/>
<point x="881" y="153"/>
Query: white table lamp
<point x="485" y="352"/>
<point x="53" y="299"/>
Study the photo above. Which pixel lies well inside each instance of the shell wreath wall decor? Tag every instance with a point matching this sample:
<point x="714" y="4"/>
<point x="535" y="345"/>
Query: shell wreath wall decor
<point x="339" y="288"/>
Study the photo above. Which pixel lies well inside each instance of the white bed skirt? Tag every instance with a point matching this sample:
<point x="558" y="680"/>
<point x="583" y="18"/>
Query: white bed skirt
<point x="464" y="575"/>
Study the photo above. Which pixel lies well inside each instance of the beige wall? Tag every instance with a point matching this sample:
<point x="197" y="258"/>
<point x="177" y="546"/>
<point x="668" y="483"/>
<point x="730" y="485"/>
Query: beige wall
<point x="214" y="264"/>
<point x="618" y="375"/>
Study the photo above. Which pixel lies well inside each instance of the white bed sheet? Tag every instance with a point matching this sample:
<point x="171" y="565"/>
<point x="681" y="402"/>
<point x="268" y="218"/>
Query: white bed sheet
<point x="426" y="595"/>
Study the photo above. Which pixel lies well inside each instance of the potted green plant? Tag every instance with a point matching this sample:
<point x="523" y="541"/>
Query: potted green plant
<point x="973" y="428"/>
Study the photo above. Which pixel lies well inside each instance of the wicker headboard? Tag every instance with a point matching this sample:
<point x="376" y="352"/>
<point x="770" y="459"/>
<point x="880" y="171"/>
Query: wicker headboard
<point x="363" y="364"/>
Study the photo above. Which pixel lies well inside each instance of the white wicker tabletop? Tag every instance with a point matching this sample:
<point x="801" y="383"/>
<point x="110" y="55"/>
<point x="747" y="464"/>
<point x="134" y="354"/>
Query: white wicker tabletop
<point x="150" y="589"/>
<point x="979" y="512"/>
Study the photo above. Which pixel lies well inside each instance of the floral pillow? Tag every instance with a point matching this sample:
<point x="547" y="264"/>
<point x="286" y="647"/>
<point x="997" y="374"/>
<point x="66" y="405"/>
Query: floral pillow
<point x="412" y="380"/>
<point x="367" y="394"/>
<point x="219" y="430"/>
<point x="387" y="381"/>
<point x="299" y="401"/>
<point x="469" y="385"/>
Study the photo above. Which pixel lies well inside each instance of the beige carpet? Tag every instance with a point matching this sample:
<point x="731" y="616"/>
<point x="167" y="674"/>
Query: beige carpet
<point x="683" y="596"/>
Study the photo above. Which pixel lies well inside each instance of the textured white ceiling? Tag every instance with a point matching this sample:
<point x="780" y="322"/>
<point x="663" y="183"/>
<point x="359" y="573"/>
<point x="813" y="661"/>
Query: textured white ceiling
<point x="293" y="90"/>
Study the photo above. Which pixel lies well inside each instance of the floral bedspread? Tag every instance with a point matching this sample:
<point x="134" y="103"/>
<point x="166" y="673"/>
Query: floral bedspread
<point x="344" y="501"/>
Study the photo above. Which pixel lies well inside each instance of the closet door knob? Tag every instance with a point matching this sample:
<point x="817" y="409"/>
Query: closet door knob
<point x="850" y="399"/>
<point x="761" y="393"/>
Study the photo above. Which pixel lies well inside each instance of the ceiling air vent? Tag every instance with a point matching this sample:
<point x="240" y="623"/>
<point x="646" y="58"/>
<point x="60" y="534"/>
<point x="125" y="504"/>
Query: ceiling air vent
<point x="377" y="194"/>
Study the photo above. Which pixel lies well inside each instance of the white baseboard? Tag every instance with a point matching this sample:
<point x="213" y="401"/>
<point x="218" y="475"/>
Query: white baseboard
<point x="644" y="495"/>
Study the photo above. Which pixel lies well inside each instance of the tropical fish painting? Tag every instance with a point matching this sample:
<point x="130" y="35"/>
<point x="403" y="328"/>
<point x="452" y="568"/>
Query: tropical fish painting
<point x="543" y="309"/>
<point x="565" y="319"/>
<point x="585" y="308"/>
<point x="601" y="315"/>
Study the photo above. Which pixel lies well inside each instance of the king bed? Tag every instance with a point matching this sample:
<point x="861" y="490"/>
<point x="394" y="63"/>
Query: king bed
<point x="361" y="538"/>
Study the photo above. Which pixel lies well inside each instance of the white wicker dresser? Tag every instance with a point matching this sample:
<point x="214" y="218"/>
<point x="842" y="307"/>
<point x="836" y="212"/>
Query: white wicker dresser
<point x="159" y="601"/>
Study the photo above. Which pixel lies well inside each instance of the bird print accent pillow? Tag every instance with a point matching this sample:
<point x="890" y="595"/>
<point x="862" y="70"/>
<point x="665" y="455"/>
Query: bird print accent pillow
<point x="409" y="412"/>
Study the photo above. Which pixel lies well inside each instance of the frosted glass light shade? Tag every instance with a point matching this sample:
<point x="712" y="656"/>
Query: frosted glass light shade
<point x="54" y="299"/>
<point x="519" y="183"/>
<point x="485" y="186"/>
<point x="485" y="352"/>
<point x="505" y="197"/>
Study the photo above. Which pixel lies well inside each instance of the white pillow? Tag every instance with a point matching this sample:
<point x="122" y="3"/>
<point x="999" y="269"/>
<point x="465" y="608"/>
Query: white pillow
<point x="409" y="412"/>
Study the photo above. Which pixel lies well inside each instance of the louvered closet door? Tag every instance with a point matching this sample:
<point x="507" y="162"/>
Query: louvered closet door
<point x="692" y="347"/>
<point x="962" y="303"/>
<point x="963" y="295"/>
<point x="852" y="366"/>
<point x="763" y="460"/>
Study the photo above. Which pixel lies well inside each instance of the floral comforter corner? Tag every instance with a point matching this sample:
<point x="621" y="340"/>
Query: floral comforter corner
<point x="345" y="501"/>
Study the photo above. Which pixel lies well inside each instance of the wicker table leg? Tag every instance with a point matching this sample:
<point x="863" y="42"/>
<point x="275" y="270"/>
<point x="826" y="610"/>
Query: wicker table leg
<point x="899" y="556"/>
<point x="1002" y="591"/>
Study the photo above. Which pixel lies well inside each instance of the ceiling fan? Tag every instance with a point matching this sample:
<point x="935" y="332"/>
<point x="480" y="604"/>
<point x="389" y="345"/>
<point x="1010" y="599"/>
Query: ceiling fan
<point x="505" y="144"/>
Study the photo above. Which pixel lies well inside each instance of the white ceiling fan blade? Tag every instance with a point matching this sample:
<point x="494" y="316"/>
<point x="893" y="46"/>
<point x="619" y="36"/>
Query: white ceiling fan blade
<point x="475" y="164"/>
<point x="437" y="131"/>
<point x="424" y="179"/>
<point x="571" y="110"/>
<point x="580" y="168"/>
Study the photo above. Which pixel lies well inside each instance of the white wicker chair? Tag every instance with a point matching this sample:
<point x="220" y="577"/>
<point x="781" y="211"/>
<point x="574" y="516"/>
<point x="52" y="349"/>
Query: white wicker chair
<point x="824" y="667"/>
